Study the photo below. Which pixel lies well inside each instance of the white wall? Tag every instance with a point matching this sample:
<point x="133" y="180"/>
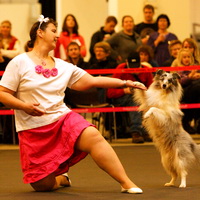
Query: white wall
<point x="179" y="11"/>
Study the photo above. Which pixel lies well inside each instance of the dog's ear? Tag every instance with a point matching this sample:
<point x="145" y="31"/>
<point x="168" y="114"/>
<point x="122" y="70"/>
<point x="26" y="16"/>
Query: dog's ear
<point x="159" y="72"/>
<point x="176" y="76"/>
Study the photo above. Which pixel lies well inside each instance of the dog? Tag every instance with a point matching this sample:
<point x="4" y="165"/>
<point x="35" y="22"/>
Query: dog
<point x="162" y="118"/>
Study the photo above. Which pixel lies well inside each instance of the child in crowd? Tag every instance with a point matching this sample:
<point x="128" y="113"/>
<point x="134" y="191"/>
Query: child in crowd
<point x="190" y="81"/>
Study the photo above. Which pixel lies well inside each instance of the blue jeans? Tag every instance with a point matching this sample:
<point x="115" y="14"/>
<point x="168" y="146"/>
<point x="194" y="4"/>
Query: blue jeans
<point x="134" y="116"/>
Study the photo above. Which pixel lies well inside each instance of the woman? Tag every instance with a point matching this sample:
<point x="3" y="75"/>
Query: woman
<point x="160" y="40"/>
<point x="125" y="41"/>
<point x="191" y="87"/>
<point x="52" y="137"/>
<point x="69" y="33"/>
<point x="9" y="44"/>
<point x="191" y="45"/>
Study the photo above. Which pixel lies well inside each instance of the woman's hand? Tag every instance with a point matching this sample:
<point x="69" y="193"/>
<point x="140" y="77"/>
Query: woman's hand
<point x="33" y="110"/>
<point x="135" y="84"/>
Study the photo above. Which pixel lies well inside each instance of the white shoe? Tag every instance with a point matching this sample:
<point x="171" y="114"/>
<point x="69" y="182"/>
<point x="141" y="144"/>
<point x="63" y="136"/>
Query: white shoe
<point x="132" y="190"/>
<point x="67" y="177"/>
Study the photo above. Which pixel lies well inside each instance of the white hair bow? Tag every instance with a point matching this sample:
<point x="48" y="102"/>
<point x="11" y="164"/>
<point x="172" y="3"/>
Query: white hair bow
<point x="41" y="19"/>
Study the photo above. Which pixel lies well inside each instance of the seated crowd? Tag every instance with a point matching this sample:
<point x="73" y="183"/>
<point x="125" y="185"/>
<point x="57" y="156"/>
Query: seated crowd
<point x="144" y="45"/>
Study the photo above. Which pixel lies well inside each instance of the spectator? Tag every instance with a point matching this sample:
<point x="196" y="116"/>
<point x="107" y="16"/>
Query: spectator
<point x="190" y="44"/>
<point x="147" y="56"/>
<point x="102" y="52"/>
<point x="160" y="39"/>
<point x="104" y="33"/>
<point x="148" y="26"/>
<point x="190" y="81"/>
<point x="124" y="97"/>
<point x="174" y="48"/>
<point x="125" y="41"/>
<point x="10" y="46"/>
<point x="69" y="33"/>
<point x="74" y="56"/>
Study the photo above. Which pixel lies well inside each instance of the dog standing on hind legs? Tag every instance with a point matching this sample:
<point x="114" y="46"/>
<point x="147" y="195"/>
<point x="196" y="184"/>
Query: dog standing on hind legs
<point x="162" y="118"/>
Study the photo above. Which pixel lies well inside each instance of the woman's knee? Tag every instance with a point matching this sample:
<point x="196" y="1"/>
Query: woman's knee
<point x="44" y="185"/>
<point x="89" y="137"/>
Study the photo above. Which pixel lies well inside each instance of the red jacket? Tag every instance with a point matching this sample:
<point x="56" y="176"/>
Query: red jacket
<point x="145" y="78"/>
<point x="65" y="39"/>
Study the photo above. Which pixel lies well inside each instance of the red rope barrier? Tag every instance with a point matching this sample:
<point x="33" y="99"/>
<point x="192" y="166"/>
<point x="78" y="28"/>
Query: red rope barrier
<point x="109" y="109"/>
<point x="139" y="70"/>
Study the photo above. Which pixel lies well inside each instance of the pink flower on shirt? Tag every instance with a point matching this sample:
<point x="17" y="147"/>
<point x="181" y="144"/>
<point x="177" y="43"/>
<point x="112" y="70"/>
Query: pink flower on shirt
<point x="54" y="72"/>
<point x="38" y="69"/>
<point x="46" y="73"/>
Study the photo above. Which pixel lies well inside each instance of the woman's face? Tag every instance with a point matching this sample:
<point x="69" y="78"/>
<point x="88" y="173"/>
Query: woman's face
<point x="144" y="57"/>
<point x="70" y="23"/>
<point x="128" y="24"/>
<point x="162" y="24"/>
<point x="187" y="45"/>
<point x="5" y="29"/>
<point x="186" y="59"/>
<point x="50" y="35"/>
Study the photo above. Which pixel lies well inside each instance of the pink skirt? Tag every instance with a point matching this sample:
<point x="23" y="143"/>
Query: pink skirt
<point x="50" y="148"/>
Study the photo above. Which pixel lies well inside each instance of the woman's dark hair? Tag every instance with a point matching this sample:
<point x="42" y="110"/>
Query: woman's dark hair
<point x="163" y="16"/>
<point x="146" y="49"/>
<point x="65" y="28"/>
<point x="33" y="31"/>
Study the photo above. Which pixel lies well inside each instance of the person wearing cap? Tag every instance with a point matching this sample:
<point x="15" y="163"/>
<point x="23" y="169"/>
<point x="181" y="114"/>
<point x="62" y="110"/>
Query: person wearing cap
<point x="124" y="96"/>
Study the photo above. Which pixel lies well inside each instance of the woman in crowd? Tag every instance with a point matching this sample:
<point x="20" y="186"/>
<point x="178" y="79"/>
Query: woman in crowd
<point x="191" y="85"/>
<point x="160" y="39"/>
<point x="125" y="41"/>
<point x="52" y="137"/>
<point x="9" y="44"/>
<point x="69" y="33"/>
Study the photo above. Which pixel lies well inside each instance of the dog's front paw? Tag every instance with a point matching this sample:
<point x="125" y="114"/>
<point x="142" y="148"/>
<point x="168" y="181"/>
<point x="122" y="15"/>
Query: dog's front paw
<point x="149" y="112"/>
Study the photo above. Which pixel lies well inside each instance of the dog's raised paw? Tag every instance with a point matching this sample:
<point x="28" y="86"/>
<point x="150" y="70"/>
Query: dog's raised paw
<point x="149" y="112"/>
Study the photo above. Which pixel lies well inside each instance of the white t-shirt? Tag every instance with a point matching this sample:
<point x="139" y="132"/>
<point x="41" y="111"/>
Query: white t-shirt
<point x="20" y="76"/>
